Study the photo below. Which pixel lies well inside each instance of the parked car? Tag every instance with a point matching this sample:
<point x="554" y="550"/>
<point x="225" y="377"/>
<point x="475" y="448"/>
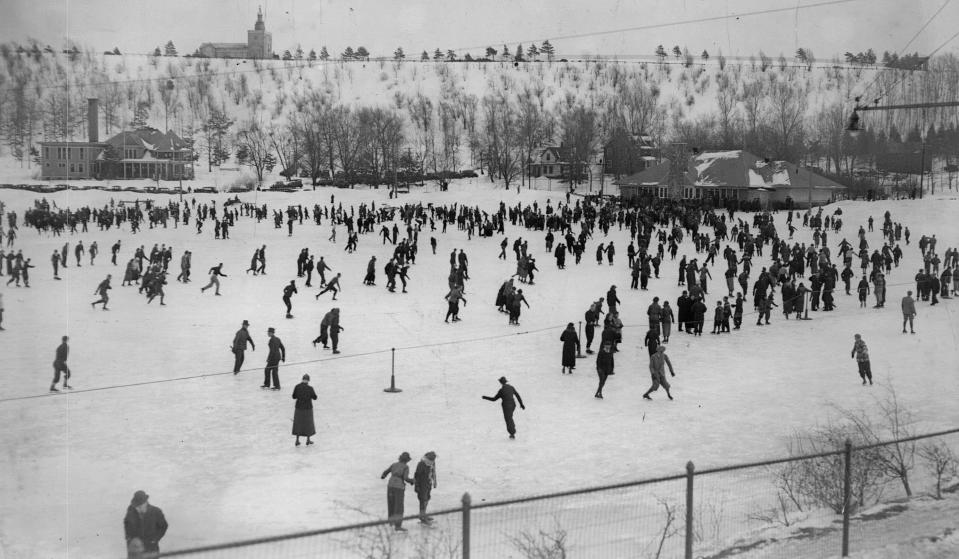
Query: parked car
<point x="205" y="189"/>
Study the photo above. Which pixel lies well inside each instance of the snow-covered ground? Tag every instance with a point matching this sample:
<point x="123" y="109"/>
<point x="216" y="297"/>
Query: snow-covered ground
<point x="157" y="408"/>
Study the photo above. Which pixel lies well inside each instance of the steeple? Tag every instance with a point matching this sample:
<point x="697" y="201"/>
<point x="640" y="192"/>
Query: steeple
<point x="259" y="25"/>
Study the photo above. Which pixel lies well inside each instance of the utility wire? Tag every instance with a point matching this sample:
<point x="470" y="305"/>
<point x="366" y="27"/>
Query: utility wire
<point x="902" y="51"/>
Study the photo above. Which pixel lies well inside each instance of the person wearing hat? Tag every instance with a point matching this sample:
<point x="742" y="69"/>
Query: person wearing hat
<point x="861" y="353"/>
<point x="240" y="340"/>
<point x="657" y="369"/>
<point x="303" y="412"/>
<point x="506" y="394"/>
<point x="399" y="473"/>
<point x="277" y="353"/>
<point x="424" y="482"/>
<point x="144" y="525"/>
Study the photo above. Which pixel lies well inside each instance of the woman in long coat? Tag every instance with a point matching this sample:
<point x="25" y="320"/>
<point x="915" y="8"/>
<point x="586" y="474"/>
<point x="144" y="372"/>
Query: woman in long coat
<point x="570" y="347"/>
<point x="303" y="413"/>
<point x="666" y="318"/>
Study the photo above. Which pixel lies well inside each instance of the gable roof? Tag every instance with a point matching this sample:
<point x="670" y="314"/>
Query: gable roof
<point x="735" y="168"/>
<point x="150" y="139"/>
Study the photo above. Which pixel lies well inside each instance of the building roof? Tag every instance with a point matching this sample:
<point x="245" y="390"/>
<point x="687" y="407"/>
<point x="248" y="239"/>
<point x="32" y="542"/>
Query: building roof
<point x="735" y="168"/>
<point x="225" y="45"/>
<point x="150" y="139"/>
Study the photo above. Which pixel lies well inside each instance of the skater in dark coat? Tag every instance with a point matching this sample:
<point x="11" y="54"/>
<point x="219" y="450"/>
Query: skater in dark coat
<point x="370" y="278"/>
<point x="506" y="394"/>
<point x="605" y="364"/>
<point x="570" y="347"/>
<point x="666" y="318"/>
<point x="277" y="353"/>
<point x="303" y="411"/>
<point x="611" y="299"/>
<point x="144" y="523"/>
<point x="288" y="292"/>
<point x="60" y="365"/>
<point x="240" y="340"/>
<point x="102" y="291"/>
<point x="399" y="473"/>
<point x="424" y="481"/>
<point x="651" y="341"/>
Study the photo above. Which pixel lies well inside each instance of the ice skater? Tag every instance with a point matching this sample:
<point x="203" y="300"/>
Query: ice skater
<point x="238" y="348"/>
<point x="424" y="481"/>
<point x="657" y="369"/>
<point x="506" y="393"/>
<point x="399" y="473"/>
<point x="303" y="425"/>
<point x="60" y="365"/>
<point x="216" y="273"/>
<point x="333" y="286"/>
<point x="861" y="354"/>
<point x="288" y="292"/>
<point x="102" y="292"/>
<point x="277" y="353"/>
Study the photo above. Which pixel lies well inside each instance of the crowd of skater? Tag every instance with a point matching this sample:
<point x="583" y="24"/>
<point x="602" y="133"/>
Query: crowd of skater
<point x="759" y="272"/>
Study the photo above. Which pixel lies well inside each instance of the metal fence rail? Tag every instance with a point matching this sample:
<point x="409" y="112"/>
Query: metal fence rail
<point x="702" y="513"/>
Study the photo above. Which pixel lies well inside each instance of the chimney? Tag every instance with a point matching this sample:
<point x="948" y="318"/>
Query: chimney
<point x="93" y="119"/>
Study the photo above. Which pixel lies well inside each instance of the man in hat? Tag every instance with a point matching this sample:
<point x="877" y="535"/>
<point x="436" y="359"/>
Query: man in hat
<point x="240" y="340"/>
<point x="424" y="482"/>
<point x="399" y="473"/>
<point x="506" y="394"/>
<point x="276" y="354"/>
<point x="144" y="523"/>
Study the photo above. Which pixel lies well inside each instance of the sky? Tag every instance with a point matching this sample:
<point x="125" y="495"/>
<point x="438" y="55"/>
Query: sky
<point x="137" y="26"/>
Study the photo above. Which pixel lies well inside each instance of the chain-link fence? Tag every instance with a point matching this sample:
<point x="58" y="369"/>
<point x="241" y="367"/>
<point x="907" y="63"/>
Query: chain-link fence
<point x="828" y="498"/>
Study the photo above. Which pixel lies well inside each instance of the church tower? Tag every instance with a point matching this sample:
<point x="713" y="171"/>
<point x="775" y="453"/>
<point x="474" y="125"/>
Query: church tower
<point x="259" y="42"/>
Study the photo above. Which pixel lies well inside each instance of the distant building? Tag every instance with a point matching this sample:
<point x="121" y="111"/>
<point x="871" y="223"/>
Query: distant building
<point x="734" y="175"/>
<point x="551" y="162"/>
<point x="259" y="44"/>
<point x="146" y="153"/>
<point x="625" y="153"/>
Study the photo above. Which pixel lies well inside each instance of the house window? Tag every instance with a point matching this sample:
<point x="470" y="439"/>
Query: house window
<point x="46" y="153"/>
<point x="72" y="170"/>
<point x="79" y="167"/>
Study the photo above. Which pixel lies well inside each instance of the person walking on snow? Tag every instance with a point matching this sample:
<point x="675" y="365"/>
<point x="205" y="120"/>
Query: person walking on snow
<point x="506" y="393"/>
<point x="60" y="365"/>
<point x="861" y="354"/>
<point x="424" y="481"/>
<point x="657" y="369"/>
<point x="399" y="473"/>
<point x="240" y="340"/>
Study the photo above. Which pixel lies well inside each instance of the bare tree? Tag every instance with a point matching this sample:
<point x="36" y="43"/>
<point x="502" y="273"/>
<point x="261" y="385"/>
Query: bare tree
<point x="580" y="136"/>
<point x="896" y="459"/>
<point x="346" y="139"/>
<point x="533" y="125"/>
<point x="541" y="545"/>
<point x="940" y="461"/>
<point x="502" y="143"/>
<point x="254" y="149"/>
<point x="788" y="102"/>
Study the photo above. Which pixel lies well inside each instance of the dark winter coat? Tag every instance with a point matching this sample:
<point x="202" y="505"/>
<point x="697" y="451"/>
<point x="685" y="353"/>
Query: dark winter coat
<point x="570" y="347"/>
<point x="277" y="351"/>
<point x="240" y="340"/>
<point x="304" y="396"/>
<point x="149" y="528"/>
<point x="423" y="480"/>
